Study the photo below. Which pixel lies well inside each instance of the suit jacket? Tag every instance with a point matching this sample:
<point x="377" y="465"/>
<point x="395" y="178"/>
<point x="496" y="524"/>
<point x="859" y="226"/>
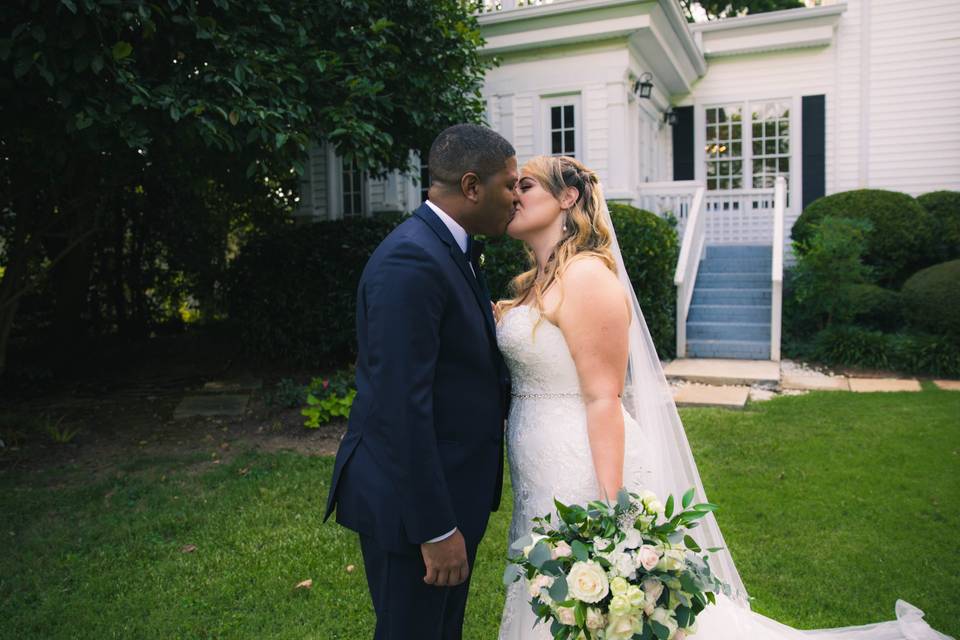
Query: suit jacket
<point x="423" y="452"/>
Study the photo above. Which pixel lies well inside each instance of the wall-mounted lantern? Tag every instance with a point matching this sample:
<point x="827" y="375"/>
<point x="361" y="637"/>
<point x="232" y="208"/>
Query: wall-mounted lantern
<point x="670" y="117"/>
<point x="644" y="85"/>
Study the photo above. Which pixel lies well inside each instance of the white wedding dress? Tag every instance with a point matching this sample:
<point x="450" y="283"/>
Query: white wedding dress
<point x="549" y="456"/>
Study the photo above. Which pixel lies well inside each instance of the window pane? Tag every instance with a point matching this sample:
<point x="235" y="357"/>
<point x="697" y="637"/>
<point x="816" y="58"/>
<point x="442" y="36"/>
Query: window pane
<point x="555" y="118"/>
<point x="568" y="141"/>
<point x="568" y="115"/>
<point x="556" y="146"/>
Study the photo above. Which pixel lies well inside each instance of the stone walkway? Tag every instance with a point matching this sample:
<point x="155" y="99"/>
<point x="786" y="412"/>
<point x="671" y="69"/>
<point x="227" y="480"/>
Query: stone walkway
<point x="218" y="398"/>
<point x="730" y="383"/>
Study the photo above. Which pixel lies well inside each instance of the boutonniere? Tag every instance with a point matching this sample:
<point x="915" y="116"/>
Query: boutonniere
<point x="482" y="260"/>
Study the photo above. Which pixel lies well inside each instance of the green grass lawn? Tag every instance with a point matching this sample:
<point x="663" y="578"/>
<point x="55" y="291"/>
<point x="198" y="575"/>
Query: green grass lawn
<point x="833" y="504"/>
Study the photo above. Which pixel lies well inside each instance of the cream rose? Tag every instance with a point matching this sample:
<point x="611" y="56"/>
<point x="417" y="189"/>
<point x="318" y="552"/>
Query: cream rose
<point x="538" y="583"/>
<point x="561" y="550"/>
<point x="672" y="560"/>
<point x="679" y="635"/>
<point x="635" y="596"/>
<point x="653" y="588"/>
<point x="623" y="627"/>
<point x="620" y="606"/>
<point x="595" y="619"/>
<point x="665" y="617"/>
<point x="566" y="615"/>
<point x="648" y="557"/>
<point x="587" y="582"/>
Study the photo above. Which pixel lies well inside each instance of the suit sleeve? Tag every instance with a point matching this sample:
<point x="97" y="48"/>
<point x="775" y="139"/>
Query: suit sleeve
<point x="405" y="301"/>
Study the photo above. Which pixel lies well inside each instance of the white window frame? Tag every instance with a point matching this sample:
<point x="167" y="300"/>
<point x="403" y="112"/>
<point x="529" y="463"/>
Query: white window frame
<point x="335" y="188"/>
<point x="794" y="175"/>
<point x="549" y="102"/>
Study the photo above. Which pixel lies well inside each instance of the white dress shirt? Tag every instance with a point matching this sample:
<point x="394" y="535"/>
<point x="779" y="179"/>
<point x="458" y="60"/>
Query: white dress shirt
<point x="460" y="235"/>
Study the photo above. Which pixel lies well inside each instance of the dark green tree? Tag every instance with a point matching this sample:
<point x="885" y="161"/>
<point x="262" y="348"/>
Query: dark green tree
<point x="106" y="103"/>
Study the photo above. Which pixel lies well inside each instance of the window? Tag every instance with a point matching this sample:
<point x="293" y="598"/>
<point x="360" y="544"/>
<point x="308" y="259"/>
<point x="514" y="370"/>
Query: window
<point x="747" y="154"/>
<point x="352" y="180"/>
<point x="562" y="131"/>
<point x="558" y="132"/>
<point x="724" y="147"/>
<point x="770" y="122"/>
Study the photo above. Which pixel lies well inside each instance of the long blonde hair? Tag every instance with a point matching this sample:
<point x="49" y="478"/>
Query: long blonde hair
<point x="587" y="231"/>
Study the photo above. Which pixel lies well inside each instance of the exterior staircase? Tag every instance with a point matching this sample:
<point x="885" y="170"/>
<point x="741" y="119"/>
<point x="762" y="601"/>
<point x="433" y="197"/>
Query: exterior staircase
<point x="729" y="314"/>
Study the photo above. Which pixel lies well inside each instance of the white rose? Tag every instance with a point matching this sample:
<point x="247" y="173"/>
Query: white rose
<point x="665" y="617"/>
<point x="538" y="583"/>
<point x="595" y="619"/>
<point x="648" y="608"/>
<point x="672" y="560"/>
<point x="620" y="606"/>
<point x="653" y="588"/>
<point x="600" y="544"/>
<point x="619" y="586"/>
<point x="635" y="596"/>
<point x="562" y="550"/>
<point x="655" y="506"/>
<point x="648" y="557"/>
<point x="647" y="496"/>
<point x="587" y="582"/>
<point x="623" y="627"/>
<point x="622" y="564"/>
<point x="565" y="615"/>
<point x="633" y="539"/>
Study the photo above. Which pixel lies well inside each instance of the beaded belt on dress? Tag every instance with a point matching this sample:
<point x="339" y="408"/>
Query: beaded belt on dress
<point x="545" y="395"/>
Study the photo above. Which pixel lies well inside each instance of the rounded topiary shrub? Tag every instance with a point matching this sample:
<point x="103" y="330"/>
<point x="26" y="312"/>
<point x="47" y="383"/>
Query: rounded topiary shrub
<point x="944" y="208"/>
<point x="931" y="299"/>
<point x="292" y="293"/>
<point x="874" y="306"/>
<point x="902" y="231"/>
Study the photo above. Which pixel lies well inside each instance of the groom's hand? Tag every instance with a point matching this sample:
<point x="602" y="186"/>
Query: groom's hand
<point x="446" y="561"/>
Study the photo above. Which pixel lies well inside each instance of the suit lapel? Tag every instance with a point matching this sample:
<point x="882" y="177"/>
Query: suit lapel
<point x="458" y="257"/>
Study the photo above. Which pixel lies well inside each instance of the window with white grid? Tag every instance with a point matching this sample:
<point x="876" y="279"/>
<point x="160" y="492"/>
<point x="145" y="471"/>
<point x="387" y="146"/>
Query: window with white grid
<point x="561" y="125"/>
<point x="724" y="147"/>
<point x="770" y="128"/>
<point x="352" y="185"/>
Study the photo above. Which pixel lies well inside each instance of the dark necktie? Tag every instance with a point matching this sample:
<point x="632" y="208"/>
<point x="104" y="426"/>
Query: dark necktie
<point x="474" y="249"/>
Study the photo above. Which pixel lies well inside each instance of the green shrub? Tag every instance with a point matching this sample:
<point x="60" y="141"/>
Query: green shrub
<point x="292" y="294"/>
<point x="944" y="208"/>
<point x="874" y="306"/>
<point x="909" y="353"/>
<point x="901" y="238"/>
<point x="821" y="283"/>
<point x="932" y="299"/>
<point x="328" y="398"/>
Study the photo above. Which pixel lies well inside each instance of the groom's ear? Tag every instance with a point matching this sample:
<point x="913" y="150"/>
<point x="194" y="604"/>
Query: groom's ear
<point x="470" y="186"/>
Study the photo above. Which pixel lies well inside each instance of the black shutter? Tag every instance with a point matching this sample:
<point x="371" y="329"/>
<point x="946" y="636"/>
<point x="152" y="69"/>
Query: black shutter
<point x="683" y="144"/>
<point x="814" y="136"/>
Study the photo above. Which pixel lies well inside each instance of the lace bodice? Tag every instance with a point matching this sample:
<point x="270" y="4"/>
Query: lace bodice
<point x="539" y="362"/>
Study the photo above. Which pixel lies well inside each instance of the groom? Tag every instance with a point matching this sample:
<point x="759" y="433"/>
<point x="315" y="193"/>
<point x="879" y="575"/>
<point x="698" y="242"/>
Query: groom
<point x="421" y="465"/>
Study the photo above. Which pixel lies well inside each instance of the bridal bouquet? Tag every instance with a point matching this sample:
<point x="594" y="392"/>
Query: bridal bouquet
<point x="626" y="571"/>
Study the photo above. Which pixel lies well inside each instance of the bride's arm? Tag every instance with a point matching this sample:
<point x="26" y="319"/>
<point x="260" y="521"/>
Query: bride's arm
<point x="595" y="323"/>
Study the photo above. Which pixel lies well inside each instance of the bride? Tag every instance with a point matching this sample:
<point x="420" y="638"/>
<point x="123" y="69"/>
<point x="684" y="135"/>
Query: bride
<point x="592" y="411"/>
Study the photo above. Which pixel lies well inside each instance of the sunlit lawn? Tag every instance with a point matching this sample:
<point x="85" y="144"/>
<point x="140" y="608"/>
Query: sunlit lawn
<point x="834" y="506"/>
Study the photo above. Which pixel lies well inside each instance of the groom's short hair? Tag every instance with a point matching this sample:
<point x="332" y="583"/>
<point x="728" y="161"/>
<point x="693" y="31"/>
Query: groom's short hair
<point x="463" y="148"/>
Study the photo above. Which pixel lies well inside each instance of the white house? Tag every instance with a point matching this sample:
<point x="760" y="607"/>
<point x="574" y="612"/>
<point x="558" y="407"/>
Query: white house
<point x="701" y="119"/>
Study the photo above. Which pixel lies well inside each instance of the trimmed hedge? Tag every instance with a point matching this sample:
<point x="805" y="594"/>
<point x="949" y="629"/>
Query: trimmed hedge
<point x="944" y="208"/>
<point x="902" y="236"/>
<point x="932" y="299"/>
<point x="292" y="294"/>
<point x="911" y="353"/>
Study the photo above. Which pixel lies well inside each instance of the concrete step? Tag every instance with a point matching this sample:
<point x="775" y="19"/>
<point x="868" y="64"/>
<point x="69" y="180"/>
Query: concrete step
<point x="724" y="280"/>
<point x="729" y="313"/>
<point x="731" y="296"/>
<point x="699" y="395"/>
<point x="736" y="265"/>
<point x="721" y="371"/>
<point x="751" y="331"/>
<point x="736" y="349"/>
<point x="739" y="251"/>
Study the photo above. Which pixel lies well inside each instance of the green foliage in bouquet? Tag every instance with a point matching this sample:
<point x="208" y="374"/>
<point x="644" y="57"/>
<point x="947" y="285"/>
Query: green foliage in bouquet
<point x="617" y="572"/>
<point x="328" y="398"/>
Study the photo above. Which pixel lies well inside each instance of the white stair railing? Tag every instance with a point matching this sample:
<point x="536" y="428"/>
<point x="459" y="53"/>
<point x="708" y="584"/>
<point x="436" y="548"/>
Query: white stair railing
<point x="776" y="289"/>
<point x="691" y="250"/>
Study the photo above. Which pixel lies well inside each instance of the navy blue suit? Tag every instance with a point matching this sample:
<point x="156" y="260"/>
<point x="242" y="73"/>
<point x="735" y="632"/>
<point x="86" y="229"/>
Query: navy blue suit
<point x="423" y="452"/>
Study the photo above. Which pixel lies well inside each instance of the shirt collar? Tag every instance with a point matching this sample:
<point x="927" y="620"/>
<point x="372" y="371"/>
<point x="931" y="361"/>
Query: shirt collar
<point x="459" y="233"/>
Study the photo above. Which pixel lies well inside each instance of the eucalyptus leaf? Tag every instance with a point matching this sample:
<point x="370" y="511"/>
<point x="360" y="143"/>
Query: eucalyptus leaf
<point x="558" y="590"/>
<point x="660" y="630"/>
<point x="580" y="550"/>
<point x="539" y="554"/>
<point x="520" y="543"/>
<point x="512" y="573"/>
